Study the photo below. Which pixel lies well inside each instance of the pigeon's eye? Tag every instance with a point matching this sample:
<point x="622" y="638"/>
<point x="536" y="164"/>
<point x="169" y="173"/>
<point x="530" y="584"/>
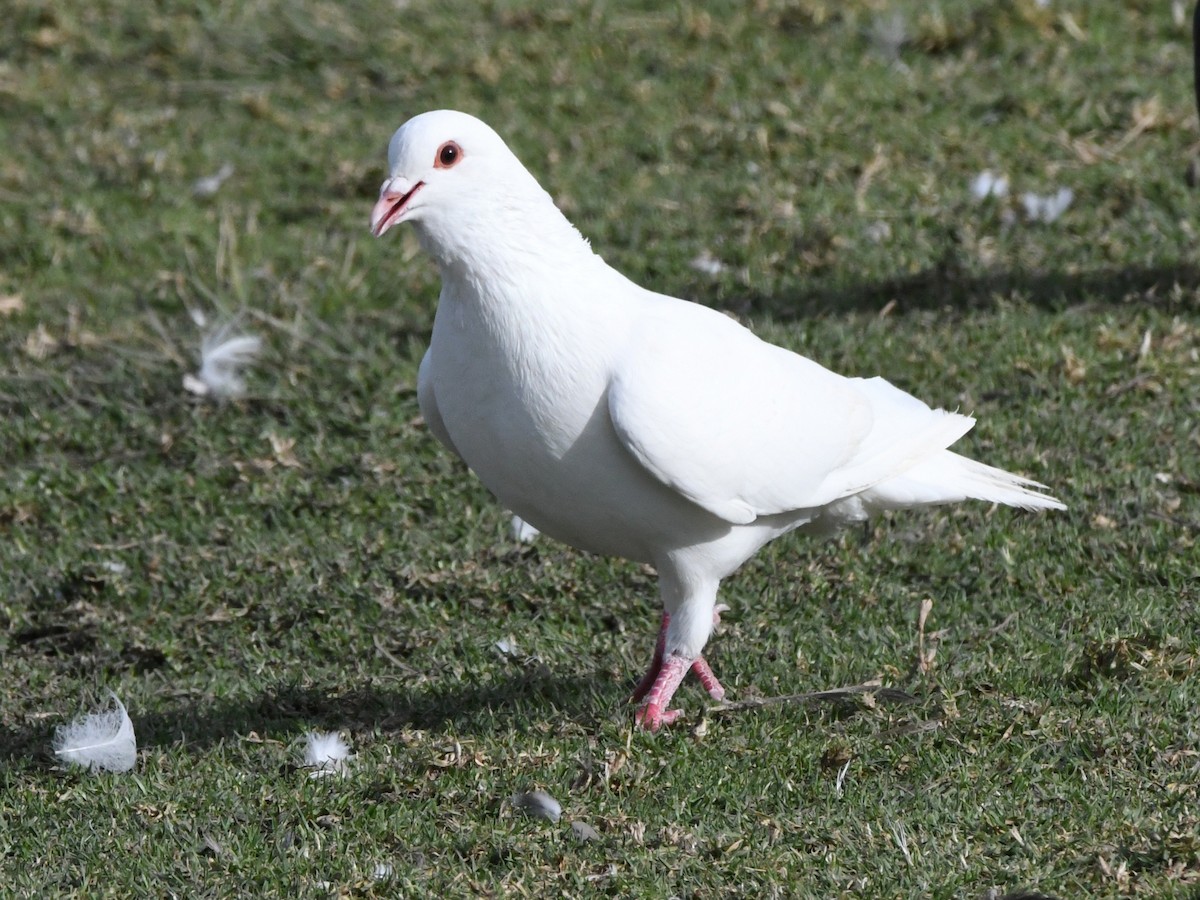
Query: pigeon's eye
<point x="448" y="154"/>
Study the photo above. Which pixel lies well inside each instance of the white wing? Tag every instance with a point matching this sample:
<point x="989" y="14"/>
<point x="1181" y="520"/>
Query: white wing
<point x="744" y="428"/>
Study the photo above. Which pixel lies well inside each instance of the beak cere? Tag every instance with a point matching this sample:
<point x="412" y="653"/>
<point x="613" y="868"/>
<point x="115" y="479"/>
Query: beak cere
<point x="392" y="204"/>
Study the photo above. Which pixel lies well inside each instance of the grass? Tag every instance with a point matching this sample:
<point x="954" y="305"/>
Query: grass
<point x="307" y="558"/>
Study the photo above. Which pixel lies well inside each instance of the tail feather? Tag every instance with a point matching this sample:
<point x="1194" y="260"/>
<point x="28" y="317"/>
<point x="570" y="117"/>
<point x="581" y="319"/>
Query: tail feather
<point x="946" y="477"/>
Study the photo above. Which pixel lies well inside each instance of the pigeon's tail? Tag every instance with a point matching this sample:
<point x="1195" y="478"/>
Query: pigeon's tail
<point x="946" y="477"/>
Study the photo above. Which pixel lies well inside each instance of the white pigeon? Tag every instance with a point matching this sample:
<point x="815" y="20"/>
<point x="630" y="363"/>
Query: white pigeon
<point x="630" y="423"/>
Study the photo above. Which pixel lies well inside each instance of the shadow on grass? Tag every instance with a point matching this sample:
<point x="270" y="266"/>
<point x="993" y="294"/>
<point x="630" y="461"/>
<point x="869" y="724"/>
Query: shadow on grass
<point x="289" y="707"/>
<point x="946" y="285"/>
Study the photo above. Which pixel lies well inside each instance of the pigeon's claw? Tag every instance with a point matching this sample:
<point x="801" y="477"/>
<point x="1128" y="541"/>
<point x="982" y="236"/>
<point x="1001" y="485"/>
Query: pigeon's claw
<point x="656" y="712"/>
<point x="708" y="679"/>
<point x="653" y="717"/>
<point x="657" y="682"/>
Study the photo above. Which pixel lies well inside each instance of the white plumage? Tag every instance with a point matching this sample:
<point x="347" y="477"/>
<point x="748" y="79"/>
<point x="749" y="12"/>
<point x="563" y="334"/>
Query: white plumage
<point x="630" y="423"/>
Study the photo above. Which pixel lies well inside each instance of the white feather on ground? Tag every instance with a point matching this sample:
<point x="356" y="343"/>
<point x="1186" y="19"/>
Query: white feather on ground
<point x="537" y="805"/>
<point x="1047" y="208"/>
<point x="522" y="531"/>
<point x="326" y="752"/>
<point x="223" y="358"/>
<point x="210" y="184"/>
<point x="988" y="184"/>
<point x="101" y="741"/>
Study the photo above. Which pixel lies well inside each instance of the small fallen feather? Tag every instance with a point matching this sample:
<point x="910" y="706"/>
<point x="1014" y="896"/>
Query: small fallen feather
<point x="210" y="184"/>
<point x="610" y="872"/>
<point x="584" y="832"/>
<point x="878" y="231"/>
<point x="508" y="647"/>
<point x="522" y="531"/>
<point x="900" y="836"/>
<point x="708" y="264"/>
<point x="223" y="356"/>
<point x="327" y="753"/>
<point x="1047" y="208"/>
<point x="101" y="741"/>
<point x="537" y="805"/>
<point x="841" y="777"/>
<point x="988" y="184"/>
<point x="1147" y="343"/>
<point x="889" y="34"/>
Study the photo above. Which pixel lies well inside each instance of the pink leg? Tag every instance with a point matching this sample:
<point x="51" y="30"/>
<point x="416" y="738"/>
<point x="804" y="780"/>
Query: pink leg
<point x="651" y="675"/>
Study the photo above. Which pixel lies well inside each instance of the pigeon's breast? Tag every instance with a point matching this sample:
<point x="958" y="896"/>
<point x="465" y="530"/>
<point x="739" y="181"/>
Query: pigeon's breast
<point x="525" y="403"/>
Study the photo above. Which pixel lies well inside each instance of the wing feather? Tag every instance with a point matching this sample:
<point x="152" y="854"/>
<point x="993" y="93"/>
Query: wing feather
<point x="738" y="426"/>
<point x="746" y="429"/>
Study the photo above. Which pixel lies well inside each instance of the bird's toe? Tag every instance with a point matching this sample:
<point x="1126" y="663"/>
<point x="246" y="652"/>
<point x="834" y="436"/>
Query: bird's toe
<point x="708" y="679"/>
<point x="652" y="717"/>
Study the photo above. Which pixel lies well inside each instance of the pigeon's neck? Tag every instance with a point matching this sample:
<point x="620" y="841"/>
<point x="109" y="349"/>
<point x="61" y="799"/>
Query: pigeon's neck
<point x="507" y="242"/>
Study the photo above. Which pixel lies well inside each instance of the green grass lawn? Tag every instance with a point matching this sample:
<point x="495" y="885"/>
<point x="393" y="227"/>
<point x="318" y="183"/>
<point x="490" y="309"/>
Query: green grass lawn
<point x="307" y="558"/>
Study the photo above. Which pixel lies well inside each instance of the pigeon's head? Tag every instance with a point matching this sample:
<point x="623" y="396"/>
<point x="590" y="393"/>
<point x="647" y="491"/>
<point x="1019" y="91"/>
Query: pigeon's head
<point x="456" y="180"/>
<point x="436" y="162"/>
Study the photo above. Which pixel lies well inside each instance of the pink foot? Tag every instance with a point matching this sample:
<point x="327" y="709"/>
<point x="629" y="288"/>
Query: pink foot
<point x="659" y="683"/>
<point x="655" y="713"/>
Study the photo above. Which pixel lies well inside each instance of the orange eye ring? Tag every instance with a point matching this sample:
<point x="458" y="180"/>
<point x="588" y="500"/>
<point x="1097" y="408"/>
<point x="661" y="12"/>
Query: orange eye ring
<point x="448" y="155"/>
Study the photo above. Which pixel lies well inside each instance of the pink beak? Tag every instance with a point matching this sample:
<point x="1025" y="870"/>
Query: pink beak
<point x="394" y="198"/>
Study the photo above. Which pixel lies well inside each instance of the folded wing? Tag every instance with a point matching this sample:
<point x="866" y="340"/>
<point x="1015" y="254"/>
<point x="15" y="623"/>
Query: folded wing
<point x="745" y="429"/>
